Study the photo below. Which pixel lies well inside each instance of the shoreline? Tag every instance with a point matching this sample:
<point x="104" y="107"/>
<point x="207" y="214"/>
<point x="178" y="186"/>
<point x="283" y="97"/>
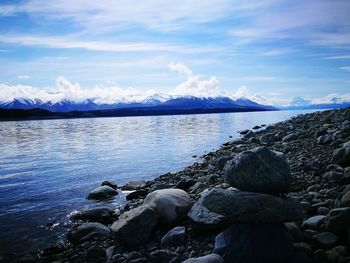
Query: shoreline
<point x="309" y="161"/>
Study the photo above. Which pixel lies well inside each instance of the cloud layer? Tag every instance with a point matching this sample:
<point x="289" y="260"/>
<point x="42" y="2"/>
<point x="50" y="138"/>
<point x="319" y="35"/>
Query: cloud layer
<point x="194" y="85"/>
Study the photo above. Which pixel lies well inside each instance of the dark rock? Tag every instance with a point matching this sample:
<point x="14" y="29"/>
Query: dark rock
<point x="256" y="242"/>
<point x="259" y="170"/>
<point x="345" y="200"/>
<point x="243" y="132"/>
<point x="342" y="156"/>
<point x="87" y="231"/>
<point x="134" y="255"/>
<point x="185" y="183"/>
<point x="136" y="194"/>
<point x="326" y="240"/>
<point x="110" y="183"/>
<point x="135" y="226"/>
<point x="338" y="220"/>
<point x="159" y="186"/>
<point x="96" y="255"/>
<point x="102" y="215"/>
<point x="295" y="231"/>
<point x="171" y="205"/>
<point x="289" y="137"/>
<point x="222" y="161"/>
<point x="162" y="256"/>
<point x="326" y="139"/>
<point x="266" y="138"/>
<point x="337" y="254"/>
<point x="219" y="206"/>
<point x="102" y="193"/>
<point x="211" y="258"/>
<point x="133" y="185"/>
<point x="174" y="238"/>
<point x="256" y="127"/>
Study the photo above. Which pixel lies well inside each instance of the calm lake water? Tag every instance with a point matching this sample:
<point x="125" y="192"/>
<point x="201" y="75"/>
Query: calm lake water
<point x="47" y="167"/>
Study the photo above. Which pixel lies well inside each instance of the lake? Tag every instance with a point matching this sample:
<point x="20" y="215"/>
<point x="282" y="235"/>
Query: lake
<point x="47" y="167"/>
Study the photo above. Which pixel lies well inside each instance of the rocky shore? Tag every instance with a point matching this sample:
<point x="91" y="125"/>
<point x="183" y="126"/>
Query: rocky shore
<point x="278" y="194"/>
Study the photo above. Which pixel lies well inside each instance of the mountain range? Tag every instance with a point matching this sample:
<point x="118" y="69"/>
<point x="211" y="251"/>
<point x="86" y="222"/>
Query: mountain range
<point x="156" y="102"/>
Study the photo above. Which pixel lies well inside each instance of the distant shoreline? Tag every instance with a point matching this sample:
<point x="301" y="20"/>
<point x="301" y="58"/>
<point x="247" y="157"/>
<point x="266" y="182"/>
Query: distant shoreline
<point x="40" y="114"/>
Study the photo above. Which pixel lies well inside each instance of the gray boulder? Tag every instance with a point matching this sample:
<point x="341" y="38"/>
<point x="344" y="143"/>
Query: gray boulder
<point x="219" y="206"/>
<point x="211" y="258"/>
<point x="222" y="161"/>
<point x="135" y="226"/>
<point x="342" y="156"/>
<point x="314" y="222"/>
<point x="102" y="215"/>
<point x="87" y="231"/>
<point x="102" y="193"/>
<point x="259" y="170"/>
<point x="171" y="205"/>
<point x="174" y="238"/>
<point x="253" y="243"/>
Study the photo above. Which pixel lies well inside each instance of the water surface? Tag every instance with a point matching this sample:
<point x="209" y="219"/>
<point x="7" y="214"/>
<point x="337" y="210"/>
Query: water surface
<point x="47" y="167"/>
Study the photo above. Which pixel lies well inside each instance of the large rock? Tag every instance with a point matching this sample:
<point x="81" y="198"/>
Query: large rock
<point x="338" y="220"/>
<point x="102" y="193"/>
<point x="255" y="243"/>
<point x="135" y="226"/>
<point x="211" y="258"/>
<point x="259" y="170"/>
<point x="87" y="231"/>
<point x="102" y="215"/>
<point x="219" y="206"/>
<point x="342" y="156"/>
<point x="171" y="205"/>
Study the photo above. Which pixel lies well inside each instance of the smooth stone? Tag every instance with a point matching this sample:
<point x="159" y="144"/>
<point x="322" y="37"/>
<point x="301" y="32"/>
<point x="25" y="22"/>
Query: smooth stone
<point x="110" y="183"/>
<point x="252" y="243"/>
<point x="135" y="226"/>
<point x="338" y="220"/>
<point x="211" y="258"/>
<point x="102" y="215"/>
<point x="133" y="185"/>
<point x="219" y="206"/>
<point x="174" y="238"/>
<point x="342" y="156"/>
<point x="326" y="239"/>
<point x="322" y="210"/>
<point x="102" y="193"/>
<point x="87" y="231"/>
<point x="314" y="222"/>
<point x="171" y="205"/>
<point x="259" y="170"/>
<point x="326" y="139"/>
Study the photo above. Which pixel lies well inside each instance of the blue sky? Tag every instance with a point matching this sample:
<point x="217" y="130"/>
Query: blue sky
<point x="269" y="50"/>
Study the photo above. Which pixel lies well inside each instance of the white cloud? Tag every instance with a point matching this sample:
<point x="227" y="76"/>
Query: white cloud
<point x="338" y="57"/>
<point x="71" y="42"/>
<point x="23" y="77"/>
<point x="179" y="67"/>
<point x="346" y="69"/>
<point x="194" y="84"/>
<point x="109" y="14"/>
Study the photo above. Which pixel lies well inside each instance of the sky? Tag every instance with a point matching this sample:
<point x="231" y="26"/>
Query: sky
<point x="270" y="51"/>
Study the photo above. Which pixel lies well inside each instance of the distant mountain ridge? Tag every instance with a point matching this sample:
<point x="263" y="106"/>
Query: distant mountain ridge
<point x="157" y="102"/>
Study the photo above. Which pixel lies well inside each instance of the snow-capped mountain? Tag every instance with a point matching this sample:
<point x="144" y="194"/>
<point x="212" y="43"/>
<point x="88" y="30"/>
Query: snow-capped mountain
<point x="157" y="101"/>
